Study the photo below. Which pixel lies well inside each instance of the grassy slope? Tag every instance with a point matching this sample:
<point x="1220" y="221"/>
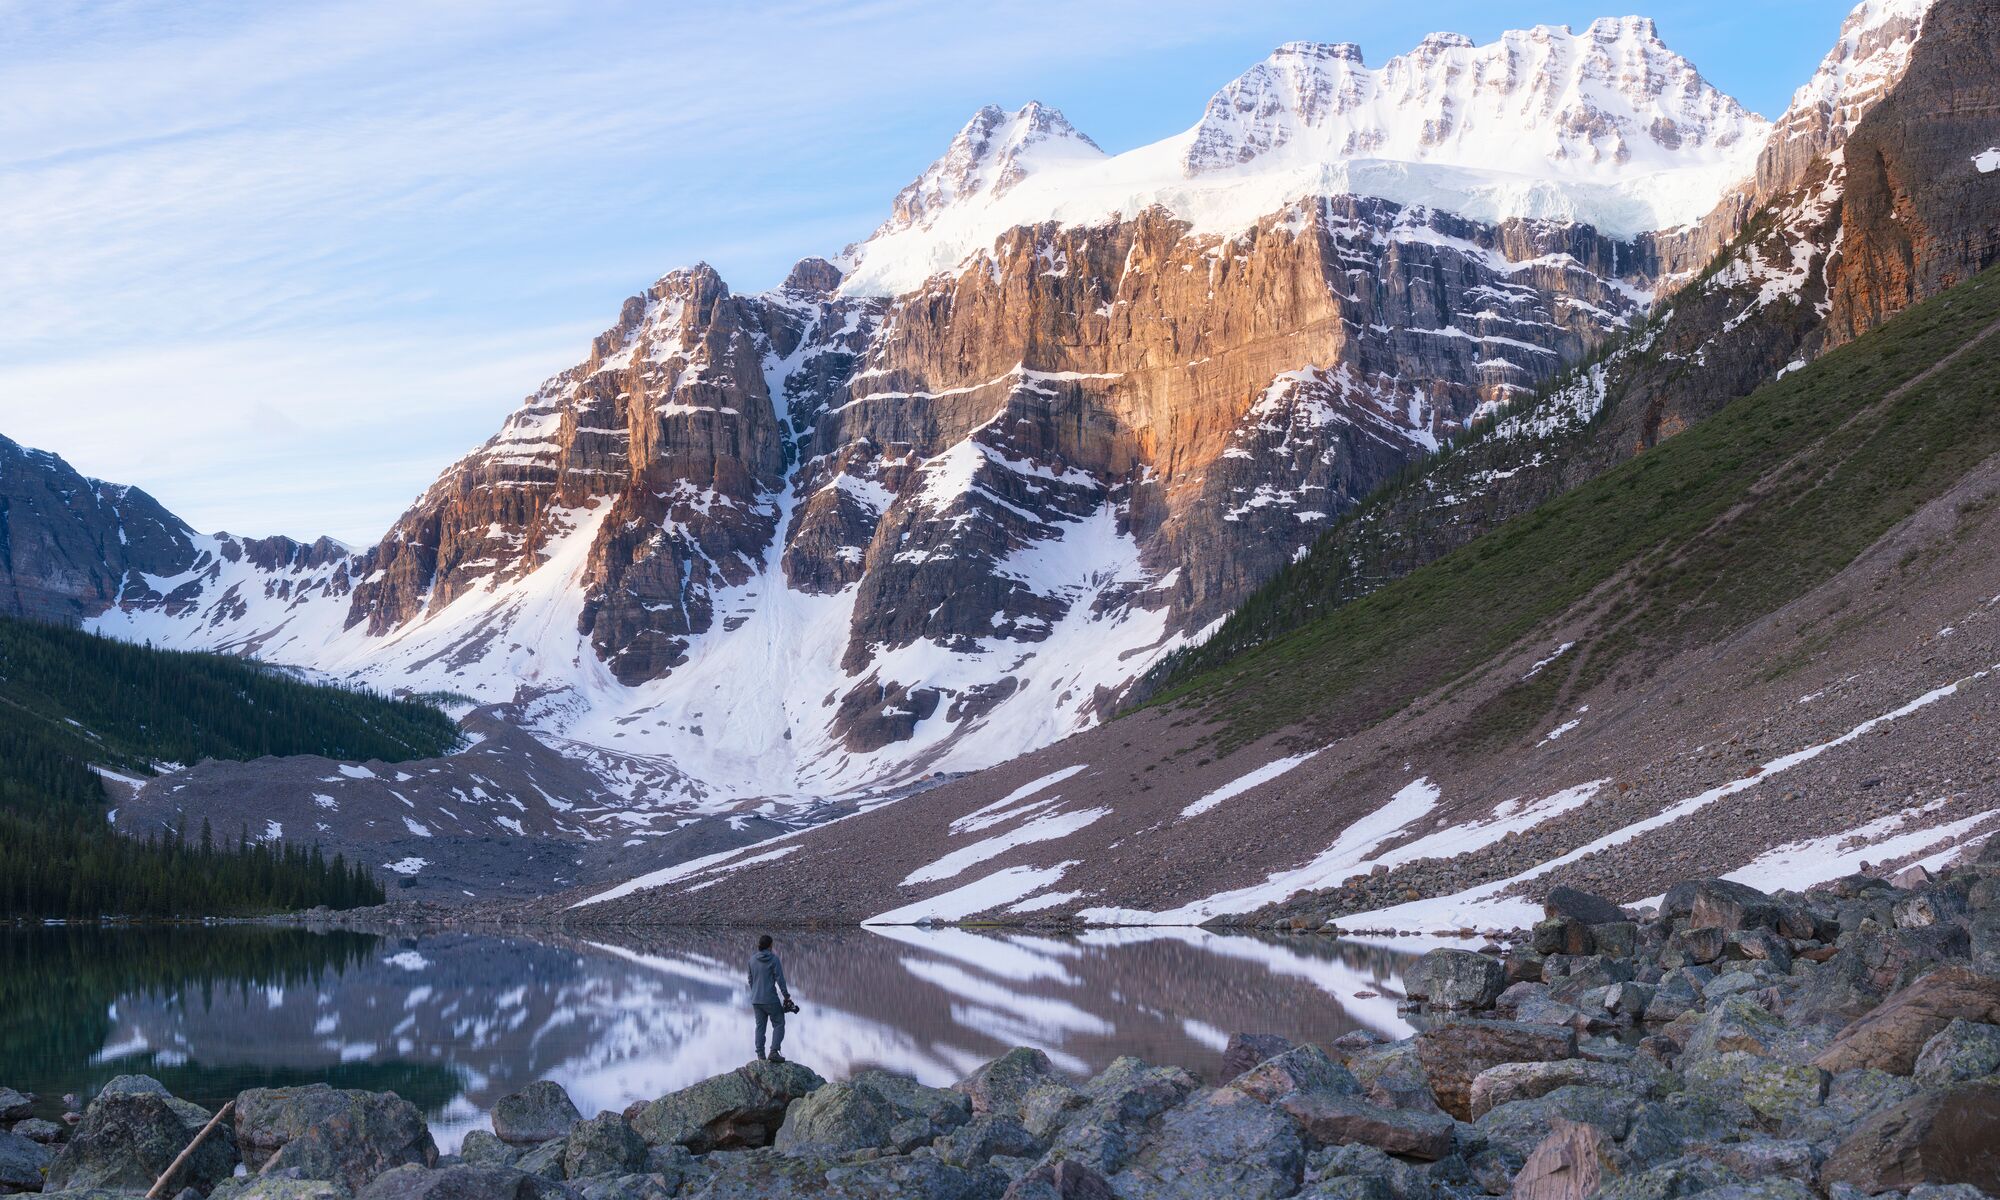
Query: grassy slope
<point x="1717" y="526"/>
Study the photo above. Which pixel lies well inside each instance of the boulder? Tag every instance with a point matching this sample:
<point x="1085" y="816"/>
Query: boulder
<point x="1615" y="939"/>
<point x="1391" y="1075"/>
<point x="1459" y="978"/>
<point x="16" y="1106"/>
<point x="1219" y="1143"/>
<point x="986" y="1136"/>
<point x="1730" y="906"/>
<point x="323" y="1133"/>
<point x="1518" y="1127"/>
<point x="758" y="1175"/>
<point x="1943" y="1136"/>
<point x="835" y="1121"/>
<point x="1065" y="1180"/>
<point x="545" y="1160"/>
<point x="37" y="1130"/>
<point x="22" y="1163"/>
<point x="1508" y="1082"/>
<point x="278" y="1187"/>
<point x="1775" y="1091"/>
<point x="743" y="1108"/>
<point x="535" y="1114"/>
<point x="1330" y="1120"/>
<point x="1893" y="1034"/>
<point x="1000" y="1085"/>
<point x="462" y="1182"/>
<point x="1306" y="1068"/>
<point x="1960" y="1051"/>
<point x="628" y="1187"/>
<point x="1569" y="1164"/>
<point x="1048" y="1107"/>
<point x="1246" y="1050"/>
<point x="1453" y="1055"/>
<point x="941" y="1109"/>
<point x="194" y="1116"/>
<point x="1572" y="904"/>
<point x="603" y="1145"/>
<point x="1692" y="947"/>
<point x="1734" y="1024"/>
<point x="127" y="1139"/>
<point x="482" y="1148"/>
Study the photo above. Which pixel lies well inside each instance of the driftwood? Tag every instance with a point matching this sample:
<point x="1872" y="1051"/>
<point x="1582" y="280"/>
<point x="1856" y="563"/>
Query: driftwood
<point x="174" y="1168"/>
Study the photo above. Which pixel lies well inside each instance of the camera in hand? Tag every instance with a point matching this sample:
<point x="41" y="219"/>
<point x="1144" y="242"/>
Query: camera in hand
<point x="790" y="1007"/>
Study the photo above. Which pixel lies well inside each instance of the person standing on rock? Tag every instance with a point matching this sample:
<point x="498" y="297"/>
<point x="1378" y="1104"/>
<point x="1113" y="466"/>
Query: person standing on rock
<point x="771" y="996"/>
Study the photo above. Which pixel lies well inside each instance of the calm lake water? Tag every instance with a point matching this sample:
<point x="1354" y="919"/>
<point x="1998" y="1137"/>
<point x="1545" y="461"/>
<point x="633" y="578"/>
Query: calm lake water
<point x="454" y="1021"/>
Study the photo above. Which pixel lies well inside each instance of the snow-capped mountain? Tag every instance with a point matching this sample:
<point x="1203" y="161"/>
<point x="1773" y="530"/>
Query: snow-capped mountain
<point x="1607" y="127"/>
<point x="939" y="504"/>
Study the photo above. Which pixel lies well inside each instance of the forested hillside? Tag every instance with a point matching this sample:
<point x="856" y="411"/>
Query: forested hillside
<point x="71" y="701"/>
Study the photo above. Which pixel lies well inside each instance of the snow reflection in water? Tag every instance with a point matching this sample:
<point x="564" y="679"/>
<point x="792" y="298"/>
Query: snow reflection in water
<point x="463" y="1019"/>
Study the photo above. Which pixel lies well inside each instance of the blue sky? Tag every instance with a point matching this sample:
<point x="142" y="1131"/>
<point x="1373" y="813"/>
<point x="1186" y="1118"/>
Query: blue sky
<point x="279" y="264"/>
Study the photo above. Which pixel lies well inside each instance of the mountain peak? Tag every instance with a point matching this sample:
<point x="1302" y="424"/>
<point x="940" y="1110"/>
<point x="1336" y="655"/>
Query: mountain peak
<point x="1536" y="102"/>
<point x="995" y="151"/>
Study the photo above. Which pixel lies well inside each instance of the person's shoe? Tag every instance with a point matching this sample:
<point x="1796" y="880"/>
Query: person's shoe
<point x="775" y="1057"/>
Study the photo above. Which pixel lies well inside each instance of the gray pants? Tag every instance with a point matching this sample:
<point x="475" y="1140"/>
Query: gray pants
<point x="776" y="1016"/>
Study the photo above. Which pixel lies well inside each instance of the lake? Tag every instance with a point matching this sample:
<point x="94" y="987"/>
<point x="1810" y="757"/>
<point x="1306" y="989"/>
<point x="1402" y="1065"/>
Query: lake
<point x="453" y="1021"/>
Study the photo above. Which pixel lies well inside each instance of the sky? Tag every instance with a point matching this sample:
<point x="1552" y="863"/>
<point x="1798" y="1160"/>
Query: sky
<point x="280" y="264"/>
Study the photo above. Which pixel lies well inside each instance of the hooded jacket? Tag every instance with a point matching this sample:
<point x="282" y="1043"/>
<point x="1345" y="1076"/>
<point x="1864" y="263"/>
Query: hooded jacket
<point x="767" y="979"/>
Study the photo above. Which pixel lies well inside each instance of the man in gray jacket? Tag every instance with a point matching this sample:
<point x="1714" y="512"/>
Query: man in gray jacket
<point x="770" y="995"/>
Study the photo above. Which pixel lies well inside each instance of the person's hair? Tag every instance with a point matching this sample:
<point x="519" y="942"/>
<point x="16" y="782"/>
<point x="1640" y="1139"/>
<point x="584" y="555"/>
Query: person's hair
<point x="764" y="943"/>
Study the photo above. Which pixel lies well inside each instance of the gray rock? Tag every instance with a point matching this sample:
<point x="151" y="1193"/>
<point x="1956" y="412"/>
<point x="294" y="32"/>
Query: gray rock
<point x="1048" y="1107"/>
<point x="1000" y="1085"/>
<point x="1729" y="906"/>
<point x="535" y="1114"/>
<point x="1760" y="1158"/>
<point x="1458" y="978"/>
<point x="1950" y="1135"/>
<point x="989" y="1135"/>
<point x="1064" y="1180"/>
<point x="835" y="1121"/>
<point x="37" y="1130"/>
<point x="940" y="1108"/>
<point x="760" y="1176"/>
<point x="22" y="1163"/>
<point x="462" y="1182"/>
<point x="16" y="1106"/>
<point x="628" y="1187"/>
<point x="1960" y="1051"/>
<point x="1219" y="1143"/>
<point x="1392" y="1076"/>
<point x="1246" y="1050"/>
<point x="741" y="1109"/>
<point x="546" y="1160"/>
<point x="1306" y="1068"/>
<point x="1571" y="904"/>
<point x="483" y="1148"/>
<point x="1734" y="1024"/>
<point x="1454" y="1054"/>
<point x="603" y="1145"/>
<point x="1669" y="1181"/>
<point x="1520" y="1126"/>
<point x="129" y="1137"/>
<point x="1616" y="939"/>
<point x="348" y="1137"/>
<point x="278" y="1187"/>
<point x="1326" y="1119"/>
<point x="1776" y="1091"/>
<point x="1349" y="1187"/>
<point x="1508" y="1082"/>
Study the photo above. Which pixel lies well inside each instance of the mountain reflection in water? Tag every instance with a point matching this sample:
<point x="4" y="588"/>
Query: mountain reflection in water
<point x="454" y="1020"/>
